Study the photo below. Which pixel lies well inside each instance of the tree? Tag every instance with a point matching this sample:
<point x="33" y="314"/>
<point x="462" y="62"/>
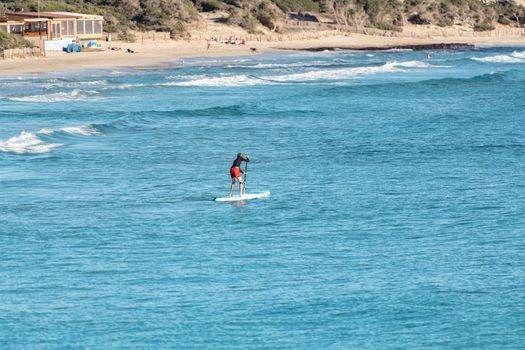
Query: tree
<point x="348" y="12"/>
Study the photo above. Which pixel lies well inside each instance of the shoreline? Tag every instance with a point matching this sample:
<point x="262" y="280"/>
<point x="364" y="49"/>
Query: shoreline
<point x="414" y="47"/>
<point x="166" y="53"/>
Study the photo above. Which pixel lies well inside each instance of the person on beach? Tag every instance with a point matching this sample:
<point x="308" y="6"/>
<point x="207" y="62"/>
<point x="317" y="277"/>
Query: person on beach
<point x="236" y="173"/>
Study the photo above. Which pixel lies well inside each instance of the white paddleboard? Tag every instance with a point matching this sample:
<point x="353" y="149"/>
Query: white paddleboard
<point x="244" y="197"/>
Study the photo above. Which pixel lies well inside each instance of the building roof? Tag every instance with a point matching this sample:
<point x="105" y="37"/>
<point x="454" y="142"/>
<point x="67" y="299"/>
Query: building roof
<point x="77" y="15"/>
<point x="9" y="23"/>
<point x="55" y="15"/>
<point x="37" y="19"/>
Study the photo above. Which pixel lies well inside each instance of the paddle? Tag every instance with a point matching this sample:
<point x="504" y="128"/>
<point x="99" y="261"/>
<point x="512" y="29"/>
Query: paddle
<point x="245" y="175"/>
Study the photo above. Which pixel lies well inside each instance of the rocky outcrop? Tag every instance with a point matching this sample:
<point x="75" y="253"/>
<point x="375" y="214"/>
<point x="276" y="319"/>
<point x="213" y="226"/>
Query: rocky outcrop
<point x="420" y="47"/>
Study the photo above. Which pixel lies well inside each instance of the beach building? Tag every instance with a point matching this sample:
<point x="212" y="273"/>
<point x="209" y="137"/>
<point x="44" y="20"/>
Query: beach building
<point x="53" y="25"/>
<point x="14" y="27"/>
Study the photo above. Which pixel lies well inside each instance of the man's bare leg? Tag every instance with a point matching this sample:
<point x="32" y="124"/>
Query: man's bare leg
<point x="232" y="187"/>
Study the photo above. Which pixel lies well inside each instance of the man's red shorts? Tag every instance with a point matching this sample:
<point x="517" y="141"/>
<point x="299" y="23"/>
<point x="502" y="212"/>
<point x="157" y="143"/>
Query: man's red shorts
<point x="235" y="172"/>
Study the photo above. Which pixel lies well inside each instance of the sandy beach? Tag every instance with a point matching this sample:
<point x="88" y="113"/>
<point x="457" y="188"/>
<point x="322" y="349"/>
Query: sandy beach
<point x="169" y="52"/>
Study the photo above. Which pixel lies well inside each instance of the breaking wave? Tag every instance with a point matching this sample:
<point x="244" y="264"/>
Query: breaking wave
<point x="74" y="84"/>
<point x="326" y="74"/>
<point x="413" y="64"/>
<point x="27" y="142"/>
<point x="75" y="95"/>
<point x="515" y="57"/>
<point x="239" y="80"/>
<point x="125" y="86"/>
<point x="338" y="74"/>
<point x="83" y="130"/>
<point x="398" y="50"/>
<point x="31" y="143"/>
<point x="289" y="65"/>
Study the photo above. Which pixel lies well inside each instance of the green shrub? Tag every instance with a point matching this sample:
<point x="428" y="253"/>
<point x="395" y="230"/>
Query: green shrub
<point x="127" y="36"/>
<point x="249" y="23"/>
<point x="211" y="5"/>
<point x="177" y="28"/>
<point x="444" y="22"/>
<point x="503" y="20"/>
<point x="412" y="3"/>
<point x="234" y="16"/>
<point x="297" y="5"/>
<point x="483" y="27"/>
<point x="386" y="26"/>
<point x="418" y="19"/>
<point x="266" y="20"/>
<point x="13" y="41"/>
<point x="268" y="14"/>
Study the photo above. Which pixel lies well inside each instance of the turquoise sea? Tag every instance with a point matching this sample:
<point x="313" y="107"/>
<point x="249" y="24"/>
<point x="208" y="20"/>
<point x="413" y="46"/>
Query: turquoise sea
<point x="397" y="216"/>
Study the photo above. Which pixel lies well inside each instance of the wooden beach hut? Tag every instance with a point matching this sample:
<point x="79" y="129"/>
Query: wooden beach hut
<point x="58" y="25"/>
<point x="11" y="27"/>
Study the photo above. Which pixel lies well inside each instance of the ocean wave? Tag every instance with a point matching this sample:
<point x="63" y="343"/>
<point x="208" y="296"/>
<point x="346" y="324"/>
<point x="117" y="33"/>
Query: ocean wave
<point x="347" y="73"/>
<point x="27" y="142"/>
<point x="424" y="86"/>
<point x="289" y="65"/>
<point x="74" y="84"/>
<point x="83" y="130"/>
<point x="237" y="80"/>
<point x="515" y="57"/>
<point x="31" y="143"/>
<point x="15" y="84"/>
<point x="397" y="50"/>
<point x="326" y="74"/>
<point x="125" y="86"/>
<point x="420" y="64"/>
<point x="74" y="95"/>
<point x="185" y="77"/>
<point x="130" y="86"/>
<point x="412" y="64"/>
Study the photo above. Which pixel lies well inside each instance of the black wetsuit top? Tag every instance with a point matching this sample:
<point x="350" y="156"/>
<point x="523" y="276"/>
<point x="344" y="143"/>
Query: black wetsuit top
<point x="237" y="163"/>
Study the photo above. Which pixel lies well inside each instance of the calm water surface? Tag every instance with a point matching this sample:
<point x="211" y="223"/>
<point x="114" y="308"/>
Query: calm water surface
<point x="396" y="219"/>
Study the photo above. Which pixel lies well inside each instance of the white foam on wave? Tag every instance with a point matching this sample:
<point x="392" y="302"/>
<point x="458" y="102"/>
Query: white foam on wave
<point x="515" y="57"/>
<point x="398" y="50"/>
<point x="125" y="86"/>
<point x="324" y="53"/>
<point x="74" y="95"/>
<point x="13" y="83"/>
<point x="290" y="65"/>
<point x="74" y="84"/>
<point x="412" y="64"/>
<point x="27" y="142"/>
<point x="129" y="86"/>
<point x="238" y="80"/>
<point x="419" y="64"/>
<point x="31" y="143"/>
<point x="518" y="54"/>
<point x="325" y="74"/>
<point x="185" y="77"/>
<point x="345" y="73"/>
<point x="84" y="130"/>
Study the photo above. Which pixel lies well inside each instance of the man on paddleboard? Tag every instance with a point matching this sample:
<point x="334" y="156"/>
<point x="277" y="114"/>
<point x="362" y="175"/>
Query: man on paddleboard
<point x="236" y="172"/>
